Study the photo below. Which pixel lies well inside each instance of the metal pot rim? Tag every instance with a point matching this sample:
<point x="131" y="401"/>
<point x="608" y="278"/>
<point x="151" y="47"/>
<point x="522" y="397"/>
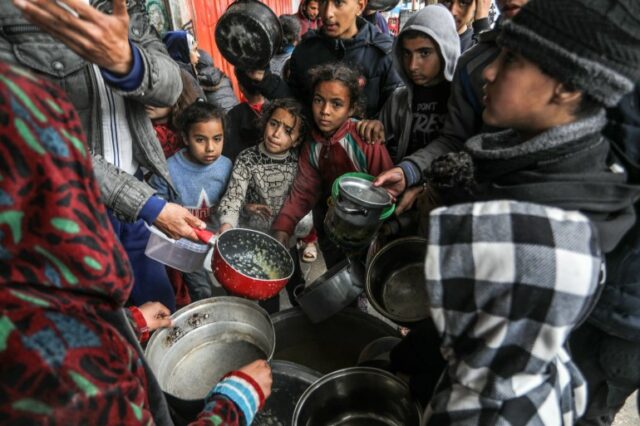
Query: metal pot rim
<point x="344" y="372"/>
<point x="367" y="285"/>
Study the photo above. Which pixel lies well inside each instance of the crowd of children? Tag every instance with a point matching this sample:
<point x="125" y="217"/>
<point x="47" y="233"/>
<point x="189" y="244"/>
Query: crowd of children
<point x="365" y="102"/>
<point x="491" y="136"/>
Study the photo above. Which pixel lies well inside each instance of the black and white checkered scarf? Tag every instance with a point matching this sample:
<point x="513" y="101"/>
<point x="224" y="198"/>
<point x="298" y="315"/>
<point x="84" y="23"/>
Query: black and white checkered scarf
<point x="507" y="282"/>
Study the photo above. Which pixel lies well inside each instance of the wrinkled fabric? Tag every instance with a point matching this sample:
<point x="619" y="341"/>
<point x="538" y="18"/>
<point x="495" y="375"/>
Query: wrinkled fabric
<point x="506" y="284"/>
<point x="62" y="272"/>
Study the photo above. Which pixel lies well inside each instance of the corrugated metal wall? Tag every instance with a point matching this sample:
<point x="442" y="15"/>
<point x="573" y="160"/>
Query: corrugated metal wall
<point x="206" y="14"/>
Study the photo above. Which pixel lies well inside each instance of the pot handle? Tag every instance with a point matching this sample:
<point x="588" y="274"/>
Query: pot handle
<point x="349" y="210"/>
<point x="205" y="236"/>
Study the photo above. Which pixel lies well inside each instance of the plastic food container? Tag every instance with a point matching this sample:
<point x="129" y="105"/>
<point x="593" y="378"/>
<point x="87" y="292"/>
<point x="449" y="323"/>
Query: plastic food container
<point x="182" y="254"/>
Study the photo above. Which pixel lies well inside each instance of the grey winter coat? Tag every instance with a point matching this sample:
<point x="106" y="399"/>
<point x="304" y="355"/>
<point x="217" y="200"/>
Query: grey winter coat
<point x="25" y="44"/>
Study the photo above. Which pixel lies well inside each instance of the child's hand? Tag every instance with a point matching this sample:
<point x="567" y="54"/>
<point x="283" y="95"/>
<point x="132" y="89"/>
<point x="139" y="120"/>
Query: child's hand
<point x="225" y="227"/>
<point x="482" y="9"/>
<point x="283" y="237"/>
<point x="371" y="131"/>
<point x="408" y="198"/>
<point x="261" y="210"/>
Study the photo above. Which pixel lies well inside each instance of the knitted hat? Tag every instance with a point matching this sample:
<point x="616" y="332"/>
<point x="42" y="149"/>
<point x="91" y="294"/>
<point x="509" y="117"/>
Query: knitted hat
<point x="592" y="45"/>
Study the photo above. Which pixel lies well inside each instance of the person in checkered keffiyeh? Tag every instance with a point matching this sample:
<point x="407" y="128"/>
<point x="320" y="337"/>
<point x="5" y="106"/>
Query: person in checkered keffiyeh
<point x="505" y="289"/>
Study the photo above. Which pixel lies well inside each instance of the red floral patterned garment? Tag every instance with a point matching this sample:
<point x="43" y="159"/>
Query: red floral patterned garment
<point x="60" y="266"/>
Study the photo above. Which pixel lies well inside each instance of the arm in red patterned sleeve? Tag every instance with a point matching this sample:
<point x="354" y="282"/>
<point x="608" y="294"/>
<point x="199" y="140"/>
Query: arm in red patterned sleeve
<point x="305" y="193"/>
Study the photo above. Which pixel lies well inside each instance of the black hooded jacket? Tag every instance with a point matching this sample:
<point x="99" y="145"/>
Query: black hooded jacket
<point x="368" y="51"/>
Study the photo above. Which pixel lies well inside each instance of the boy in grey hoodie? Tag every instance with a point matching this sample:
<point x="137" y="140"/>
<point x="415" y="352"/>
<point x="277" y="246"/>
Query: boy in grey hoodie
<point x="425" y="55"/>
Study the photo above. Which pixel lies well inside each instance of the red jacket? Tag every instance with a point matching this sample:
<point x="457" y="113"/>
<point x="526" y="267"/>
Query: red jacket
<point x="321" y="162"/>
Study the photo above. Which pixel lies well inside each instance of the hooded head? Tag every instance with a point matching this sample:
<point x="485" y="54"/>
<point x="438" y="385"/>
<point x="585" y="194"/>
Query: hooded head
<point x="507" y="282"/>
<point x="592" y="46"/>
<point x="181" y="46"/>
<point x="435" y="23"/>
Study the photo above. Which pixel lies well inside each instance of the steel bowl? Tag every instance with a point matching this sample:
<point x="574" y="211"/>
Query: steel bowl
<point x="208" y="338"/>
<point x="395" y="281"/>
<point x="357" y="396"/>
<point x="330" y="345"/>
<point x="290" y="380"/>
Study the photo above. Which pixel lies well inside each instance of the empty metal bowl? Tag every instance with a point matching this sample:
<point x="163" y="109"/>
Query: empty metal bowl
<point x="395" y="284"/>
<point x="357" y="396"/>
<point x="208" y="339"/>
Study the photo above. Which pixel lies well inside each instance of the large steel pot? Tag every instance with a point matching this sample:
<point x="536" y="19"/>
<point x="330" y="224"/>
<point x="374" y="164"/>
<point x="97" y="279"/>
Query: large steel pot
<point x="395" y="283"/>
<point x="248" y="34"/>
<point x="332" y="291"/>
<point x="290" y="380"/>
<point x="357" y="396"/>
<point x="208" y="338"/>
<point x="330" y="345"/>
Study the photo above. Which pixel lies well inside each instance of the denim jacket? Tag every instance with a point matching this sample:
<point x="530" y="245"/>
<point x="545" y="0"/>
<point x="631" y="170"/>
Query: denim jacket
<point x="25" y="44"/>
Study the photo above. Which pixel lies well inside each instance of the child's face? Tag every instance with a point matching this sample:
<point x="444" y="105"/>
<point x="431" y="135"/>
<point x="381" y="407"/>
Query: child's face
<point x="518" y="94"/>
<point x="194" y="55"/>
<point x="462" y="11"/>
<point x="421" y="60"/>
<point x="339" y="17"/>
<point x="204" y="141"/>
<point x="157" y="114"/>
<point x="281" y="132"/>
<point x="331" y="106"/>
<point x="312" y="9"/>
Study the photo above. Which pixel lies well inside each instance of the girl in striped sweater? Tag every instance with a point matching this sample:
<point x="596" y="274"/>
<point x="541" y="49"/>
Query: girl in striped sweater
<point x="335" y="149"/>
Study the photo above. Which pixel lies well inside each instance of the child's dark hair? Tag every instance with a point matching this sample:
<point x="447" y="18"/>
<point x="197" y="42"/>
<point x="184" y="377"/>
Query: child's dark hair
<point x="290" y="105"/>
<point x="290" y="29"/>
<point x="199" y="112"/>
<point x="344" y="74"/>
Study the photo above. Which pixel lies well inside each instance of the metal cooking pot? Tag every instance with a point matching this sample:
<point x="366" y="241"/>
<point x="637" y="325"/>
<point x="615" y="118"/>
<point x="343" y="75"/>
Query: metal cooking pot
<point x="382" y="5"/>
<point x="290" y="380"/>
<point x="208" y="339"/>
<point x="357" y="212"/>
<point x="332" y="291"/>
<point x="395" y="283"/>
<point x="251" y="264"/>
<point x="330" y="345"/>
<point x="248" y="34"/>
<point x="246" y="262"/>
<point x="357" y="396"/>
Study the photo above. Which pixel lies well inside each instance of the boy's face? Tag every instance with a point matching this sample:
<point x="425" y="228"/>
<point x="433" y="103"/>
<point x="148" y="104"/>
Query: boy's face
<point x="339" y="17"/>
<point x="312" y="9"/>
<point x="281" y="132"/>
<point x="421" y="60"/>
<point x="331" y="106"/>
<point x="462" y="11"/>
<point x="204" y="141"/>
<point x="194" y="55"/>
<point x="518" y="94"/>
<point x="510" y="8"/>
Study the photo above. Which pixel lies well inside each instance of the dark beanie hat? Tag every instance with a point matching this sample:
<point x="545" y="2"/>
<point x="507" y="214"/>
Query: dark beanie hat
<point x="591" y="45"/>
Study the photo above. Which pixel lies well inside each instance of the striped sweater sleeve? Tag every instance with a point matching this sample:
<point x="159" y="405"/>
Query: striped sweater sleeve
<point x="234" y="197"/>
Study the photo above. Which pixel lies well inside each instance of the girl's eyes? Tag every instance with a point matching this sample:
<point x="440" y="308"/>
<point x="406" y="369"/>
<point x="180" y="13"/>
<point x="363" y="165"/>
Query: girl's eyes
<point x="336" y="104"/>
<point x="317" y="100"/>
<point x="218" y="139"/>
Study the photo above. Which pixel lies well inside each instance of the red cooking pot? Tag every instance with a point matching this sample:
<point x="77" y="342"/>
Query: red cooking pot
<point x="249" y="263"/>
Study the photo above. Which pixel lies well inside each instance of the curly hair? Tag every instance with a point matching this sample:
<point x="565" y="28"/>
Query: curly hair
<point x="199" y="112"/>
<point x="290" y="105"/>
<point x="349" y="77"/>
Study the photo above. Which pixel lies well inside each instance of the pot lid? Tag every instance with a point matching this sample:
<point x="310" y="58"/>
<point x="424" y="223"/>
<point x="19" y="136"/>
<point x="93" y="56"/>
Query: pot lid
<point x="362" y="191"/>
